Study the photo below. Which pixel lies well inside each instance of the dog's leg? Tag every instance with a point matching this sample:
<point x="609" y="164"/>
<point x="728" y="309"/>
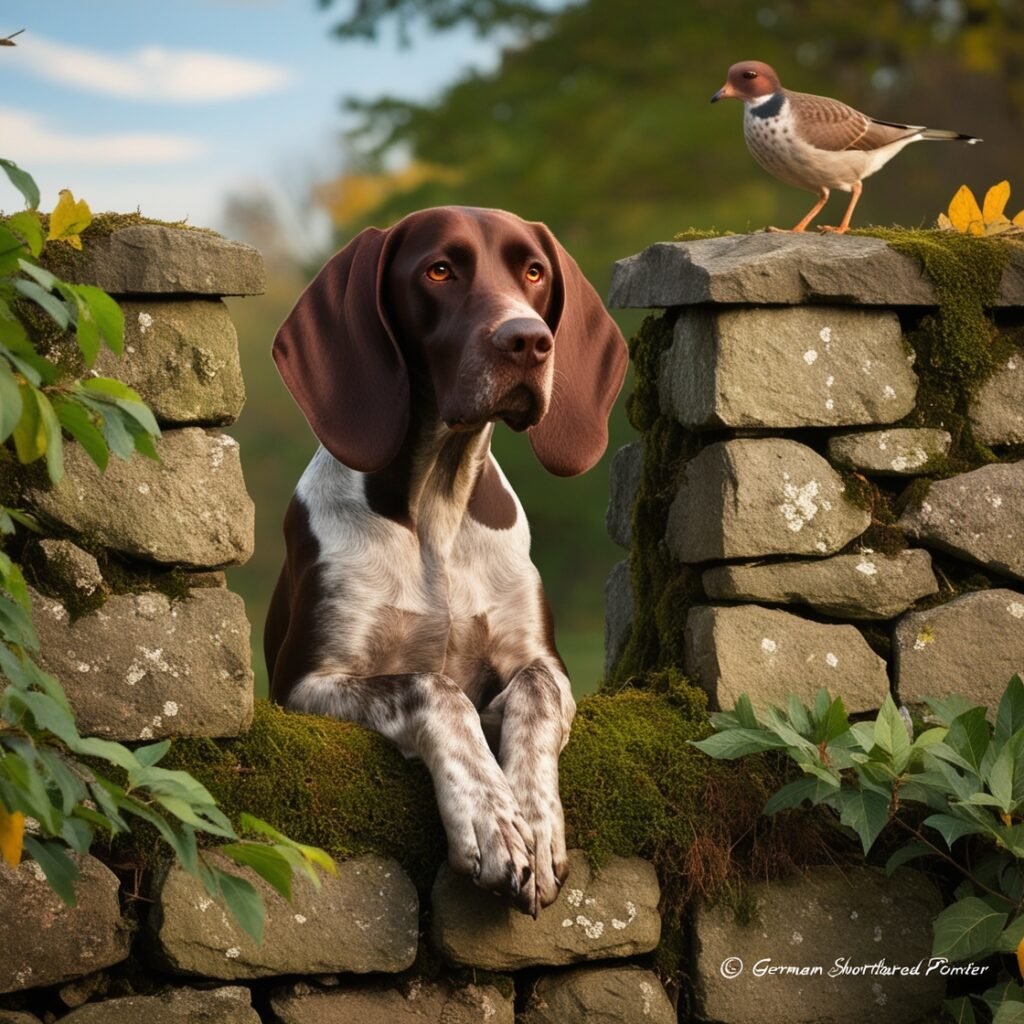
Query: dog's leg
<point x="426" y="714"/>
<point x="537" y="710"/>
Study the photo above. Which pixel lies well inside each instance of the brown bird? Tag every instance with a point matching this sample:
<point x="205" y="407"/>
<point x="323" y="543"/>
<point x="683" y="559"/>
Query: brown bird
<point x="815" y="142"/>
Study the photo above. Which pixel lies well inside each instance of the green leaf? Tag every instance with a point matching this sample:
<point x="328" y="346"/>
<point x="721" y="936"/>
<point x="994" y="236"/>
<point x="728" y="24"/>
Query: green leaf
<point x="22" y="181"/>
<point x="1007" y="770"/>
<point x="836" y="721"/>
<point x="950" y="708"/>
<point x="54" y="438"/>
<point x="243" y="901"/>
<point x="1010" y="716"/>
<point x="1009" y="1013"/>
<point x="10" y="401"/>
<point x="76" y="421"/>
<point x="961" y="1010"/>
<point x="61" y="872"/>
<point x="311" y="853"/>
<point x="952" y="828"/>
<point x="39" y="274"/>
<point x="117" y="436"/>
<point x="911" y="851"/>
<point x="737" y="743"/>
<point x="1012" y="936"/>
<point x="28" y="225"/>
<point x="744" y="712"/>
<point x="111" y="389"/>
<point x="969" y="736"/>
<point x="267" y="862"/>
<point x="891" y="734"/>
<point x="105" y="313"/>
<point x="50" y="304"/>
<point x="968" y="928"/>
<point x="29" y="434"/>
<point x="795" y="793"/>
<point x="864" y="811"/>
<point x="149" y="755"/>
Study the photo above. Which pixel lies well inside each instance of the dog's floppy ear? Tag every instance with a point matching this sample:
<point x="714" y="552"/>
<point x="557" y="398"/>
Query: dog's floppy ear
<point x="590" y="364"/>
<point x="339" y="359"/>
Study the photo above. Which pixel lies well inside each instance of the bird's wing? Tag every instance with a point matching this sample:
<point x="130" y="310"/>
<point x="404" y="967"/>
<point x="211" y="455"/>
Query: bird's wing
<point x="828" y="124"/>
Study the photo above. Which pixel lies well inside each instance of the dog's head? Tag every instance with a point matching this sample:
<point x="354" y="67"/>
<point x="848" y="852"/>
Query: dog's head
<point x="488" y="311"/>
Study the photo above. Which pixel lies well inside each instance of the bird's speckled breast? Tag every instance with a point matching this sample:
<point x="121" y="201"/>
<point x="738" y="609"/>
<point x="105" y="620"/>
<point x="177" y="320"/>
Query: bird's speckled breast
<point x="773" y="144"/>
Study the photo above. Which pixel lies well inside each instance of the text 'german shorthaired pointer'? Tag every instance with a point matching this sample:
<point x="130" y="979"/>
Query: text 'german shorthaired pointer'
<point x="408" y="602"/>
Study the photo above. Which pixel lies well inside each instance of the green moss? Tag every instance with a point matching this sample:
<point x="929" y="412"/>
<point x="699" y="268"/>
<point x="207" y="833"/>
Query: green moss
<point x="699" y="234"/>
<point x="663" y="590"/>
<point x="958" y="346"/>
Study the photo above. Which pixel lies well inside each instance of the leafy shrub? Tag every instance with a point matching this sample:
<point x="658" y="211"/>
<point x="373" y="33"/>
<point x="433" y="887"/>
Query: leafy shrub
<point x="955" y="789"/>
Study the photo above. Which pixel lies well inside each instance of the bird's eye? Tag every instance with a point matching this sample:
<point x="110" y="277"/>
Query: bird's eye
<point x="750" y="74"/>
<point x="440" y="271"/>
<point x="535" y="273"/>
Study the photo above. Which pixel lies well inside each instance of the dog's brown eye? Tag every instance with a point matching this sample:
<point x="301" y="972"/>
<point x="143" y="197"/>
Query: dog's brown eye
<point x="750" y="74"/>
<point x="534" y="273"/>
<point x="440" y="272"/>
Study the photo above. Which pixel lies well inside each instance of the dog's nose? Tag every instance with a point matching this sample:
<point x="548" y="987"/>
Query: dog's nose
<point x="525" y="340"/>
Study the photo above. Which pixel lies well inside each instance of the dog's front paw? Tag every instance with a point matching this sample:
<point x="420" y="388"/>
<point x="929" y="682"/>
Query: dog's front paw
<point x="489" y="840"/>
<point x="543" y="814"/>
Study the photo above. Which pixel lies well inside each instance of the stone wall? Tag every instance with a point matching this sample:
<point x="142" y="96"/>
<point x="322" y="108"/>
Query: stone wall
<point x="818" y="500"/>
<point x="135" y="619"/>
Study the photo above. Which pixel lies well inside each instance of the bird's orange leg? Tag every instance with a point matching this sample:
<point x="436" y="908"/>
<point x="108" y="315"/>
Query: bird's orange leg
<point x="823" y="195"/>
<point x="845" y="223"/>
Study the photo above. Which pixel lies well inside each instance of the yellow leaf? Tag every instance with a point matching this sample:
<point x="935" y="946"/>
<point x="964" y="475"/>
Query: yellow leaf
<point x="964" y="211"/>
<point x="996" y="199"/>
<point x="1019" y="219"/>
<point x="1020" y="957"/>
<point x="69" y="219"/>
<point x="945" y="223"/>
<point x="12" y="830"/>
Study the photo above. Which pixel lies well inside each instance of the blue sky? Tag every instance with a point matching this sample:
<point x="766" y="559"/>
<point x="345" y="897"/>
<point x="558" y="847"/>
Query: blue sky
<point x="168" y="106"/>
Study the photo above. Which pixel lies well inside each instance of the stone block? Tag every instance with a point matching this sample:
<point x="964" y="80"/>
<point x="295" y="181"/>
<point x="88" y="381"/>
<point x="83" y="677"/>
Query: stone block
<point x="997" y="409"/>
<point x="783" y="269"/>
<point x="416" y="1002"/>
<point x="864" y="586"/>
<point x="978" y="515"/>
<point x="900" y="452"/>
<point x="623" y="482"/>
<point x="142" y="668"/>
<point x="972" y="645"/>
<point x="597" y="916"/>
<point x="45" y="942"/>
<point x="749" y="498"/>
<point x="822" y="920"/>
<point x="618" y="614"/>
<point x="769" y="654"/>
<point x="152" y="259"/>
<point x="361" y="920"/>
<point x="786" y="366"/>
<point x="182" y="358"/>
<point x="72" y="567"/>
<point x="190" y="508"/>
<point x="230" y="1004"/>
<point x="603" y="995"/>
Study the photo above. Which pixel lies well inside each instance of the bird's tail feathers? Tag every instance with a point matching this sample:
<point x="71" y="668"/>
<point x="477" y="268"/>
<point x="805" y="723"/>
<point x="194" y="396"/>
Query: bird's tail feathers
<point x="940" y="135"/>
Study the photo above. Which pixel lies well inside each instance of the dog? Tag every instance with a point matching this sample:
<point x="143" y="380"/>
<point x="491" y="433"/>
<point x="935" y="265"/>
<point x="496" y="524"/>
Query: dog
<point x="408" y="602"/>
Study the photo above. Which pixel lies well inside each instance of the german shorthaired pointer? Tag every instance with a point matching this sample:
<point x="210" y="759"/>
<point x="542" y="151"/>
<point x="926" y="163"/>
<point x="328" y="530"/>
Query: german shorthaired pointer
<point x="408" y="602"/>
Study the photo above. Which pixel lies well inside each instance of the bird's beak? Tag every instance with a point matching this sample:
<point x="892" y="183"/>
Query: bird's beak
<point x="725" y="93"/>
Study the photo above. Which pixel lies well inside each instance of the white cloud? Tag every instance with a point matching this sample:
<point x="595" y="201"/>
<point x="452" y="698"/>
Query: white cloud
<point x="28" y="140"/>
<point x="150" y="73"/>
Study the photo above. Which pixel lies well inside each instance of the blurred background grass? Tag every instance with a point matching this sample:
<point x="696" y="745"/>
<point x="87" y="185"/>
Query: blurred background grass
<point x="597" y="122"/>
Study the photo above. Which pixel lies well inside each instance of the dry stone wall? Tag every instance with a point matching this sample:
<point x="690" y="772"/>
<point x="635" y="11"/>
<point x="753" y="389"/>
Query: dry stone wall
<point x="135" y="619"/>
<point x="822" y="527"/>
